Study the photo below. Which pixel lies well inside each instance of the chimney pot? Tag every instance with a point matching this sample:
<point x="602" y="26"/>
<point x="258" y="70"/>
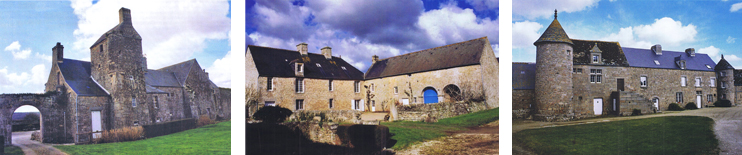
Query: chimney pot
<point x="302" y="48"/>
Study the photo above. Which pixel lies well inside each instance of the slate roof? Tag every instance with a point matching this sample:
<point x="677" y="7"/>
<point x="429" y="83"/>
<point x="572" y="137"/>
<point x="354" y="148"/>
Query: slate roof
<point x="272" y="62"/>
<point x="524" y="75"/>
<point x="152" y="90"/>
<point x="554" y="34"/>
<point x="443" y="57"/>
<point x="611" y="52"/>
<point x="77" y="75"/>
<point x="180" y="70"/>
<point x="723" y="64"/>
<point x="645" y="58"/>
<point x="161" y="78"/>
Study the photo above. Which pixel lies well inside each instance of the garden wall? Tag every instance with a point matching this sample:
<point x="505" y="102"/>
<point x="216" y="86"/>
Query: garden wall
<point x="330" y="115"/>
<point x="419" y="112"/>
<point x="364" y="137"/>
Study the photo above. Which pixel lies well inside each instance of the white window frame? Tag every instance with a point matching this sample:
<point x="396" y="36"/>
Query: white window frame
<point x="371" y="87"/>
<point x="357" y="86"/>
<point x="396" y="90"/>
<point x="133" y="101"/>
<point x="723" y="85"/>
<point x="722" y="73"/>
<point x="300" y="67"/>
<point x="679" y="97"/>
<point x="596" y="58"/>
<point x="712" y="82"/>
<point x="656" y="62"/>
<point x="299" y="104"/>
<point x="596" y="75"/>
<point x="698" y="82"/>
<point x="269" y="103"/>
<point x="269" y="82"/>
<point x="299" y="85"/>
<point x="710" y="98"/>
<point x="643" y="81"/>
<point x="683" y="81"/>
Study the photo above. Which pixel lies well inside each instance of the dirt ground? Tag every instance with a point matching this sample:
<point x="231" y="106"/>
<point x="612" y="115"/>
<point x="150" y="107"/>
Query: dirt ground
<point x="727" y="126"/>
<point x="30" y="147"/>
<point x="477" y="140"/>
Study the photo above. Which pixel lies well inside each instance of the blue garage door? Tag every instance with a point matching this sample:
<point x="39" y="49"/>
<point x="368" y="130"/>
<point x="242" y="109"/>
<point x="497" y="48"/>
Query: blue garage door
<point x="430" y="96"/>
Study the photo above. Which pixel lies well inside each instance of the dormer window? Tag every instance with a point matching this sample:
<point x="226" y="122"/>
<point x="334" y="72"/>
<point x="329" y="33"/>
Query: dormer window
<point x="681" y="63"/>
<point x="656" y="62"/>
<point x="595" y="58"/>
<point x="299" y="67"/>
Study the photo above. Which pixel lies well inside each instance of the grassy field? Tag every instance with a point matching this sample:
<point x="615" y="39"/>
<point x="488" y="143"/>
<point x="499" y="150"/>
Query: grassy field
<point x="210" y="139"/>
<point x="661" y="135"/>
<point x="13" y="150"/>
<point x="407" y="133"/>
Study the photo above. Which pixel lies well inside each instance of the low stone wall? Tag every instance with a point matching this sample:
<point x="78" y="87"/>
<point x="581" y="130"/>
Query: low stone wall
<point x="521" y="113"/>
<point x="364" y="137"/>
<point x="432" y="112"/>
<point x="321" y="133"/>
<point x="330" y="115"/>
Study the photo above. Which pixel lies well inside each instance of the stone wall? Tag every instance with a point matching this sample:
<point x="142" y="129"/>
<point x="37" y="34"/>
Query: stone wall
<point x="85" y="106"/>
<point x="52" y="115"/>
<point x="553" y="87"/>
<point x="490" y="72"/>
<point x="523" y="100"/>
<point x="316" y="93"/>
<point x="169" y="106"/>
<point x="436" y="111"/>
<point x="321" y="133"/>
<point x="330" y="115"/>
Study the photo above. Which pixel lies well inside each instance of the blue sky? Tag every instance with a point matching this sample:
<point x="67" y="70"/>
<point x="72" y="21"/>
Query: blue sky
<point x="708" y="26"/>
<point x="359" y="29"/>
<point x="183" y="31"/>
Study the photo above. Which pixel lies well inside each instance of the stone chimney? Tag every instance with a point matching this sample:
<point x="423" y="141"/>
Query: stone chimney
<point x="657" y="49"/>
<point x="691" y="52"/>
<point x="144" y="64"/>
<point x="58" y="53"/>
<point x="124" y="15"/>
<point x="302" y="48"/>
<point x="327" y="51"/>
<point x="374" y="59"/>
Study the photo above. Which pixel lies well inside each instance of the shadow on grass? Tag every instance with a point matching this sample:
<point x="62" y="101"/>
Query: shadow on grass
<point x="269" y="138"/>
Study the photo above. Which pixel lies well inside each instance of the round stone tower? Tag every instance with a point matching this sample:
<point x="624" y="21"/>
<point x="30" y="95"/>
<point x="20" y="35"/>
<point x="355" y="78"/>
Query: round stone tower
<point x="553" y="74"/>
<point x="725" y="85"/>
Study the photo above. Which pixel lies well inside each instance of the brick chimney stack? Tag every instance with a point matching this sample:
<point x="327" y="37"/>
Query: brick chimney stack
<point x="124" y="15"/>
<point x="58" y="53"/>
<point x="327" y="51"/>
<point x="302" y="48"/>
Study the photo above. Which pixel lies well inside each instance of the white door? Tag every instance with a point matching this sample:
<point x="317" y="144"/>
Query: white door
<point x="405" y="101"/>
<point x="598" y="106"/>
<point x="96" y="123"/>
<point x="657" y="103"/>
<point x="373" y="105"/>
<point x="698" y="101"/>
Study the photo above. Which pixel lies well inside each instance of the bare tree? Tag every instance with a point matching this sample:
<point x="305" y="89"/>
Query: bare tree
<point x="369" y="96"/>
<point x="251" y="99"/>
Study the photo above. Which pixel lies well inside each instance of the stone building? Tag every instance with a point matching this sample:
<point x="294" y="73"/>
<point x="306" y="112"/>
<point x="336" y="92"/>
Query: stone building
<point x="116" y="89"/>
<point x="299" y="80"/>
<point x="574" y="79"/>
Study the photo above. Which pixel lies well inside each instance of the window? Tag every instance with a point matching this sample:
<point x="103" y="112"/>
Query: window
<point x="343" y="67"/>
<point x="371" y="87"/>
<point x="156" y="102"/>
<point x="270" y="103"/>
<point x="133" y="101"/>
<point x="59" y="78"/>
<point x="698" y="82"/>
<point x="577" y="70"/>
<point x="299" y="67"/>
<point x="357" y="104"/>
<point x="330" y="104"/>
<point x="330" y="85"/>
<point x="318" y="65"/>
<point x="100" y="48"/>
<point x="396" y="90"/>
<point x="708" y="66"/>
<point x="357" y="86"/>
<point x="710" y="98"/>
<point x="712" y="82"/>
<point x="373" y="103"/>
<point x="679" y="97"/>
<point x="683" y="81"/>
<point x="595" y="58"/>
<point x="656" y="62"/>
<point x="723" y="96"/>
<point x="723" y="85"/>
<point x="269" y="84"/>
<point x="722" y="74"/>
<point x="522" y="72"/>
<point x="643" y="81"/>
<point x="299" y="104"/>
<point x="595" y="75"/>
<point x="299" y="85"/>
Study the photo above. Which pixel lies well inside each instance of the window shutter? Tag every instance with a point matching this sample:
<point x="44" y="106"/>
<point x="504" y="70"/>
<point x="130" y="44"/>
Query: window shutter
<point x="363" y="105"/>
<point x="352" y="104"/>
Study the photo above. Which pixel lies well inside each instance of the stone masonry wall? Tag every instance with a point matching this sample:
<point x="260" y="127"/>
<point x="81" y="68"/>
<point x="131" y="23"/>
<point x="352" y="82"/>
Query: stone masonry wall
<point x="52" y="115"/>
<point x="85" y="106"/>
<point x="523" y="100"/>
<point x="436" y="111"/>
<point x="169" y="106"/>
<point x="490" y="72"/>
<point x="316" y="93"/>
<point x="553" y="87"/>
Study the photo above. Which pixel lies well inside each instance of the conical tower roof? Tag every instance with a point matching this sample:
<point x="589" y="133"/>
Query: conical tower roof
<point x="723" y="64"/>
<point x="554" y="34"/>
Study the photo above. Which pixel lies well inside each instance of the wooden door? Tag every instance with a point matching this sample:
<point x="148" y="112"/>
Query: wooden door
<point x="619" y="84"/>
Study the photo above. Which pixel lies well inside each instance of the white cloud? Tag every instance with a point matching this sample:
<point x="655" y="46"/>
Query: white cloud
<point x="220" y="72"/>
<point x="532" y="9"/>
<point x="168" y="35"/>
<point x="625" y="37"/>
<point x="731" y="40"/>
<point x="10" y="81"/>
<point x="712" y="51"/>
<point x="525" y="33"/>
<point x="39" y="75"/>
<point x="667" y="31"/>
<point x="735" y="7"/>
<point x="46" y="58"/>
<point x="15" y="49"/>
<point x="484" y="4"/>
<point x="451" y="24"/>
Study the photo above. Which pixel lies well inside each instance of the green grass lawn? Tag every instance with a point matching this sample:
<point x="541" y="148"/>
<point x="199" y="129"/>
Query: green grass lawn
<point x="210" y="139"/>
<point x="13" y="150"/>
<point x="661" y="135"/>
<point x="407" y="133"/>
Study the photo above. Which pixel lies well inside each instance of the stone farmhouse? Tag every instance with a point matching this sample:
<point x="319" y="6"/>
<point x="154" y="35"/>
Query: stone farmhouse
<point x="116" y="89"/>
<point x="303" y="81"/>
<point x="573" y="79"/>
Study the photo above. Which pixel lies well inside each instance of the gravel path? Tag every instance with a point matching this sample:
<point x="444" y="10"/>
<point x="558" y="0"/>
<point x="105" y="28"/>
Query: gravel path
<point x="30" y="147"/>
<point x="727" y="126"/>
<point x="477" y="140"/>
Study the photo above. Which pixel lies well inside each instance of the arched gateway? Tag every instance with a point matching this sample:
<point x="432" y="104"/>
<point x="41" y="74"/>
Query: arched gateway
<point x="53" y="109"/>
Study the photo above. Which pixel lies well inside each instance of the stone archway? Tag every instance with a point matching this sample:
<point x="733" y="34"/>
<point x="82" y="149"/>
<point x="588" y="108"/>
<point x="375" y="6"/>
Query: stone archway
<point x="452" y="93"/>
<point x="51" y="106"/>
<point x="430" y="95"/>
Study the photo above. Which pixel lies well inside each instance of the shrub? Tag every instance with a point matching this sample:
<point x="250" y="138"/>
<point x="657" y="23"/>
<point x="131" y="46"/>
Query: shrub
<point x="636" y="112"/>
<point x="121" y="135"/>
<point x="270" y="114"/>
<point x="675" y="107"/>
<point x="723" y="103"/>
<point x="691" y="106"/>
<point x="204" y="120"/>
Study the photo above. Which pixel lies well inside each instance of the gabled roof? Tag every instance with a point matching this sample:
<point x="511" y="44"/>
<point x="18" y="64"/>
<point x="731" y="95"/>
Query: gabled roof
<point x="611" y="52"/>
<point x="180" y="70"/>
<point x="77" y="75"/>
<point x="554" y="34"/>
<point x="723" y="64"/>
<point x="645" y="58"/>
<point x="160" y="78"/>
<point x="125" y="27"/>
<point x="443" y="57"/>
<point x="272" y="62"/>
<point x="524" y="75"/>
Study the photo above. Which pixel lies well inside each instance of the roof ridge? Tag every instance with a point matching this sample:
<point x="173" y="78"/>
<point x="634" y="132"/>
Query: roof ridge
<point x="458" y="43"/>
<point x="595" y="40"/>
<point x="308" y="53"/>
